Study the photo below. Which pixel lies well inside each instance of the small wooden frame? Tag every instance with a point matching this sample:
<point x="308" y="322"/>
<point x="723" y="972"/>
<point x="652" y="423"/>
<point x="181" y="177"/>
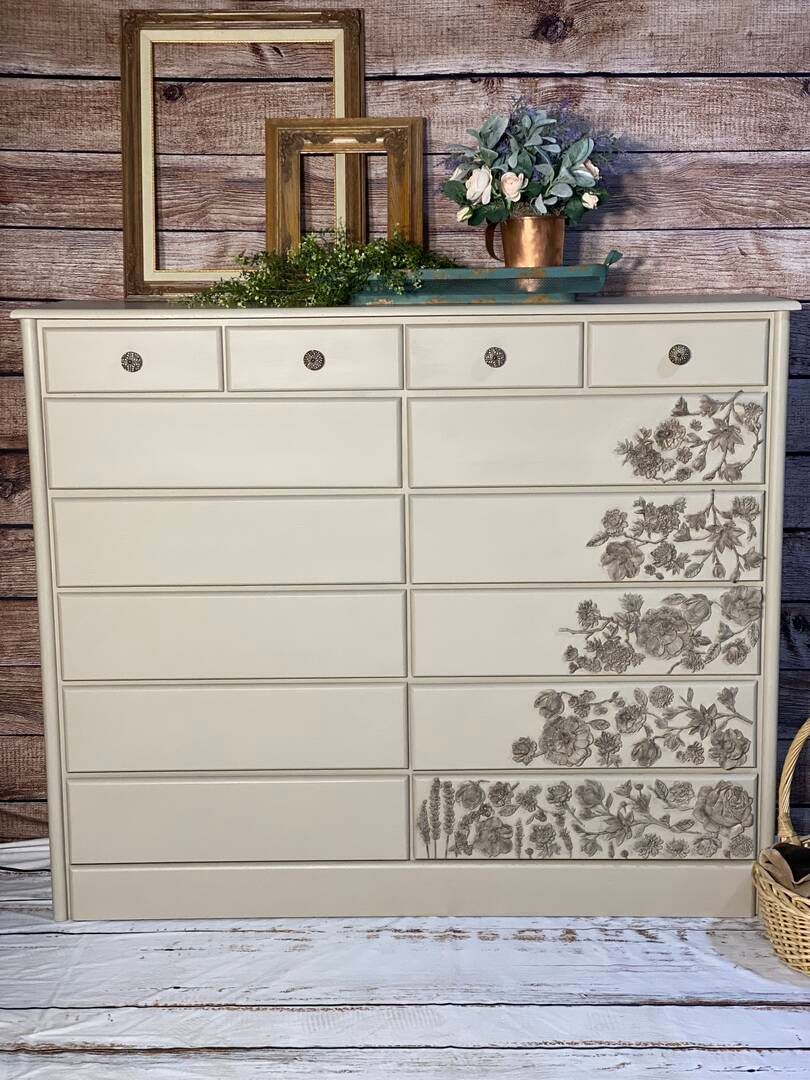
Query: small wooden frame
<point x="400" y="138"/>
<point x="141" y="31"/>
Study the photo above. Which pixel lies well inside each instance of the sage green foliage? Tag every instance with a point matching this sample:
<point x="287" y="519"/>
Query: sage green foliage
<point x="325" y="270"/>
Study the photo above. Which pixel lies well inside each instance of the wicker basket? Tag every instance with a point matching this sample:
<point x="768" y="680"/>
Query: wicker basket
<point x="785" y="914"/>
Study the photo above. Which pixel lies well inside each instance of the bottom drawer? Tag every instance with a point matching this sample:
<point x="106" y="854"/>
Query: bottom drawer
<point x="152" y="821"/>
<point x="607" y="816"/>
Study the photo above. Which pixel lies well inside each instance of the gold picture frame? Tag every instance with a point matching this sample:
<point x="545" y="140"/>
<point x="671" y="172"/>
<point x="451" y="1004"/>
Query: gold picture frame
<point x="401" y="139"/>
<point x="141" y="31"/>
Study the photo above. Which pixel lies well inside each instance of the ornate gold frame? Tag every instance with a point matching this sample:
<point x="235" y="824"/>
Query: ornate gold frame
<point x="400" y="138"/>
<point x="140" y="32"/>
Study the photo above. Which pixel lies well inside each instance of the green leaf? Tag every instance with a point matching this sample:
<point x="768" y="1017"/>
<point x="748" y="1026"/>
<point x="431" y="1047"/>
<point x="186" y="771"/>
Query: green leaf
<point x="580" y="150"/>
<point x="455" y="190"/>
<point x="561" y="190"/>
<point x="492" y="129"/>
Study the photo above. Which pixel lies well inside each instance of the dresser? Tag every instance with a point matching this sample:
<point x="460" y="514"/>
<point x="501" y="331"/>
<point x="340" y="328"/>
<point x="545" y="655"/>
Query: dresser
<point x="408" y="611"/>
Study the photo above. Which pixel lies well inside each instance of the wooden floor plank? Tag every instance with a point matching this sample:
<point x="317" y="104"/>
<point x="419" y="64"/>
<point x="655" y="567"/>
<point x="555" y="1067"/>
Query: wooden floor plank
<point x="445" y="1064"/>
<point x="368" y="1026"/>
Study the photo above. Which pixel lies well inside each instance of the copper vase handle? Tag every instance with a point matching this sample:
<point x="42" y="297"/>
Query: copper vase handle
<point x="489" y="238"/>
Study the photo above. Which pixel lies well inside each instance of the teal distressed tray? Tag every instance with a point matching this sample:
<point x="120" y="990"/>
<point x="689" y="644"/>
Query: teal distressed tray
<point x="522" y="285"/>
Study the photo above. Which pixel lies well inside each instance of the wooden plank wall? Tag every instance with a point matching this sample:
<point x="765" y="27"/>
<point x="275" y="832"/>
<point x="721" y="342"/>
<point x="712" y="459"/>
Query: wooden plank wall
<point x="711" y="95"/>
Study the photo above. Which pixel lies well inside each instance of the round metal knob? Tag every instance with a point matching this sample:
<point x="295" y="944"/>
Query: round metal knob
<point x="495" y="356"/>
<point x="132" y="361"/>
<point x="680" y="354"/>
<point x="314" y="359"/>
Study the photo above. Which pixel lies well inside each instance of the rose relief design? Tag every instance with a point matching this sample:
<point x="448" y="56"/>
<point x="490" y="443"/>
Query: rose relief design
<point x="614" y="731"/>
<point x="655" y="819"/>
<point x="715" y="441"/>
<point x="662" y="538"/>
<point x="675" y="631"/>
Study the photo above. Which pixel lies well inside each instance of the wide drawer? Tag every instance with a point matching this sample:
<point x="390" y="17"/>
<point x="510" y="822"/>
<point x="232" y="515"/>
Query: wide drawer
<point x="575" y="725"/>
<point x="651" y="631"/>
<point x="585" y="537"/>
<point x="314" y="358"/>
<point x="175" y="728"/>
<point x="597" y="816"/>
<point x="700" y="352"/>
<point x="232" y="635"/>
<point x="494" y="355"/>
<point x="152" y="821"/>
<point x="159" y="443"/>
<point x="599" y="439"/>
<point x="131" y="359"/>
<point x="281" y="540"/>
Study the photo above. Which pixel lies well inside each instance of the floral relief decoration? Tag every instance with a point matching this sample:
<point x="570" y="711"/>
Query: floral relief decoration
<point x="697" y="445"/>
<point x="674" y="632"/>
<point x="490" y="819"/>
<point x="579" y="727"/>
<point x="662" y="538"/>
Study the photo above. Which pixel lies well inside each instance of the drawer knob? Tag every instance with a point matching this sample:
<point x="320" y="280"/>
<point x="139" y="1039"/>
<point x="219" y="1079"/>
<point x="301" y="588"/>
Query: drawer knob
<point x="132" y="361"/>
<point x="495" y="356"/>
<point x="680" y="354"/>
<point x="314" y="359"/>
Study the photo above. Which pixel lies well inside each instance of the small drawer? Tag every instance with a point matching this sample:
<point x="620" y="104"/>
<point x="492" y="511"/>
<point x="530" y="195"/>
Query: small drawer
<point x="204" y="728"/>
<point x="697" y="352"/>
<point x="495" y="354"/>
<point x="131" y="360"/>
<point x="256" y="820"/>
<point x="314" y="358"/>
<point x="233" y="443"/>
<point x="217" y="635"/>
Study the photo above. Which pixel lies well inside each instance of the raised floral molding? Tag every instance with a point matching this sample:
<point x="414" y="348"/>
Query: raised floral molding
<point x="656" y="818"/>
<point x="617" y="731"/>
<point x="670" y="632"/>
<point x="717" y="540"/>
<point x="702" y="444"/>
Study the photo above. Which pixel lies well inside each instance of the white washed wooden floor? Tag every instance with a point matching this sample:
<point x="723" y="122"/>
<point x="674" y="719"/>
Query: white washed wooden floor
<point x="410" y="999"/>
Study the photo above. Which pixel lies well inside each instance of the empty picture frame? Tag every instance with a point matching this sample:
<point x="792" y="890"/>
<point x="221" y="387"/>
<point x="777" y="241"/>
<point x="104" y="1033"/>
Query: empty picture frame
<point x="141" y="31"/>
<point x="399" y="138"/>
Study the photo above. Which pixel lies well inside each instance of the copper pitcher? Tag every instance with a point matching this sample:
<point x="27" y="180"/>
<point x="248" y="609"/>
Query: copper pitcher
<point x="529" y="241"/>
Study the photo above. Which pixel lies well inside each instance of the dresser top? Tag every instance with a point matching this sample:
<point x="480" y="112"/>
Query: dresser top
<point x="657" y="305"/>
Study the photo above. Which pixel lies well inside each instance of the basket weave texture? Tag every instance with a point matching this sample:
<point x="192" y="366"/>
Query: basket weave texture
<point x="786" y="914"/>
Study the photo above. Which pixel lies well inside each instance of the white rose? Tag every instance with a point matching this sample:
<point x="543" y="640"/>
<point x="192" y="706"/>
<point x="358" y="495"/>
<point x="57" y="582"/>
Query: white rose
<point x="464" y="213"/>
<point x="458" y="173"/>
<point x="512" y="184"/>
<point x="589" y="200"/>
<point x="589" y="166"/>
<point x="479" y="186"/>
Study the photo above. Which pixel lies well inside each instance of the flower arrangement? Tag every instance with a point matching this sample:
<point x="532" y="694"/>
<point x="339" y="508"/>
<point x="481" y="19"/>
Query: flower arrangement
<point x="532" y="162"/>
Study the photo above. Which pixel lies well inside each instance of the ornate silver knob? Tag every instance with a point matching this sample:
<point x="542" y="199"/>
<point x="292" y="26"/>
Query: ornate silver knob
<point x="314" y="359"/>
<point x="495" y="356"/>
<point x="132" y="361"/>
<point x="680" y="354"/>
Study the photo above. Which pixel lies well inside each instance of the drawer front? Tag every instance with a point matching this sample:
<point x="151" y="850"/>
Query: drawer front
<point x="232" y="636"/>
<point x="175" y="728"/>
<point x="604" y="439"/>
<point x="599" y="816"/>
<point x="626" y="725"/>
<point x="494" y="355"/>
<point x="480" y="632"/>
<point x="585" y="537"/>
<point x="152" y="821"/>
<point x="314" y="358"/>
<point x="80" y="360"/>
<point x="284" y="540"/>
<point x="121" y="444"/>
<point x="720" y="351"/>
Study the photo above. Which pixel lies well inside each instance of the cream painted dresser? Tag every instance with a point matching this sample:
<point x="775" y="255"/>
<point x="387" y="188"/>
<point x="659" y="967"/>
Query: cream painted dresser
<point x="408" y="611"/>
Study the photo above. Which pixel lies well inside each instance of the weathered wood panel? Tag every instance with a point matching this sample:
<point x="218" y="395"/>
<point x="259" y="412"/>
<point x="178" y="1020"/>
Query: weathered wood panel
<point x="17" y="565"/>
<point x="10" y="344"/>
<point x="19" y="642"/>
<point x="15" y="486"/>
<point x="23" y="820"/>
<point x="418" y="37"/>
<point x="20" y="701"/>
<point x="49" y="190"/>
<point x="660" y="114"/>
<point x="764" y="260"/>
<point x="22" y="767"/>
<point x="800" y="342"/>
<point x="797" y="492"/>
<point x="12" y="412"/>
